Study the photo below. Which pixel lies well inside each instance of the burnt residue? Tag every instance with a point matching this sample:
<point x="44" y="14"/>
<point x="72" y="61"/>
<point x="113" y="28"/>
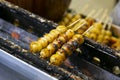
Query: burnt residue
<point x="34" y="60"/>
<point x="40" y="26"/>
<point x="105" y="54"/>
<point x="91" y="70"/>
<point x="99" y="47"/>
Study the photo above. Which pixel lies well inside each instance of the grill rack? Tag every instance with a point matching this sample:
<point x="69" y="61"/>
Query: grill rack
<point x="107" y="56"/>
<point x="17" y="51"/>
<point x="16" y="12"/>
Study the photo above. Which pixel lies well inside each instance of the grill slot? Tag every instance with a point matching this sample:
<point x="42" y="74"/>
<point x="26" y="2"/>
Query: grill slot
<point x="19" y="49"/>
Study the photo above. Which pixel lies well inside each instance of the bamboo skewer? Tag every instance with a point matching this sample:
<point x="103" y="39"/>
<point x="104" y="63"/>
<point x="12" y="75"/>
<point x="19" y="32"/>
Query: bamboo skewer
<point x="98" y="13"/>
<point x="106" y="22"/>
<point x="110" y="23"/>
<point x="88" y="30"/>
<point x="101" y="20"/>
<point x="51" y="52"/>
<point x="90" y="14"/>
<point x="75" y="29"/>
<point x="69" y="26"/>
<point x="103" y="16"/>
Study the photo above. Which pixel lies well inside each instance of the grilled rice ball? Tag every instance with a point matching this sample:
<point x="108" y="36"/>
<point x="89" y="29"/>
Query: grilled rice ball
<point x="51" y="48"/>
<point x="69" y="33"/>
<point x="58" y="58"/>
<point x="108" y="32"/>
<point x="95" y="31"/>
<point x="44" y="53"/>
<point x="79" y="38"/>
<point x="43" y="41"/>
<point x="98" y="25"/>
<point x="100" y="38"/>
<point x="93" y="36"/>
<point x="35" y="47"/>
<point x="61" y="29"/>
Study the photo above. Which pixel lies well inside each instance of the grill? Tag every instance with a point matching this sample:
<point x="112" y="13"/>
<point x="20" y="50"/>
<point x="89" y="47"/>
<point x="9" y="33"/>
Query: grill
<point x="15" y="41"/>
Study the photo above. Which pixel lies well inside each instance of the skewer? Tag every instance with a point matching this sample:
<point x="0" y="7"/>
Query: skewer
<point x="36" y="46"/>
<point x="90" y="21"/>
<point x="76" y="16"/>
<point x="79" y="26"/>
<point x="108" y="33"/>
<point x="90" y="14"/>
<point x="57" y="43"/>
<point x="110" y="23"/>
<point x="69" y="26"/>
<point x="88" y="30"/>
<point x="106" y="22"/>
<point x="103" y="16"/>
<point x="59" y="57"/>
<point x="98" y="13"/>
<point x="66" y="50"/>
<point x="67" y="19"/>
<point x="95" y="31"/>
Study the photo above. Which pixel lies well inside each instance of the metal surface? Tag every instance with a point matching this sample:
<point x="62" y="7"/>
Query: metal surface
<point x="91" y="70"/>
<point x="23" y="69"/>
<point x="8" y="74"/>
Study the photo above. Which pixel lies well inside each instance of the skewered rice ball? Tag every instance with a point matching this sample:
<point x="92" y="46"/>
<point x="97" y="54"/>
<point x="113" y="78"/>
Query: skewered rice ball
<point x="61" y="29"/>
<point x="58" y="58"/>
<point x="35" y="47"/>
<point x="44" y="53"/>
<point x="93" y="36"/>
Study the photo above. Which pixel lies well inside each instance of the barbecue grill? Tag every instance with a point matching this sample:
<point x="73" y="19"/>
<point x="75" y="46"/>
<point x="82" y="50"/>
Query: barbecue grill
<point x="14" y="50"/>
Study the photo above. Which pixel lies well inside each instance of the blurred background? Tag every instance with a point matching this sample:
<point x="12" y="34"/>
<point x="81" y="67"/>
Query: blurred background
<point x="55" y="9"/>
<point x="94" y="4"/>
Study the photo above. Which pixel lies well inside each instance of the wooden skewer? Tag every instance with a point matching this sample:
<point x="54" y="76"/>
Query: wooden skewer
<point x="84" y="9"/>
<point x="106" y="22"/>
<point x="98" y="13"/>
<point x="103" y="16"/>
<point x="69" y="26"/>
<point x="75" y="29"/>
<point x="110" y="23"/>
<point x="88" y="30"/>
<point x="90" y="14"/>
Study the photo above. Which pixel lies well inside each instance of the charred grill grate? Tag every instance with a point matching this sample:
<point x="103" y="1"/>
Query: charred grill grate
<point x="28" y="20"/>
<point x="107" y="56"/>
<point x="13" y="46"/>
<point x="26" y="56"/>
